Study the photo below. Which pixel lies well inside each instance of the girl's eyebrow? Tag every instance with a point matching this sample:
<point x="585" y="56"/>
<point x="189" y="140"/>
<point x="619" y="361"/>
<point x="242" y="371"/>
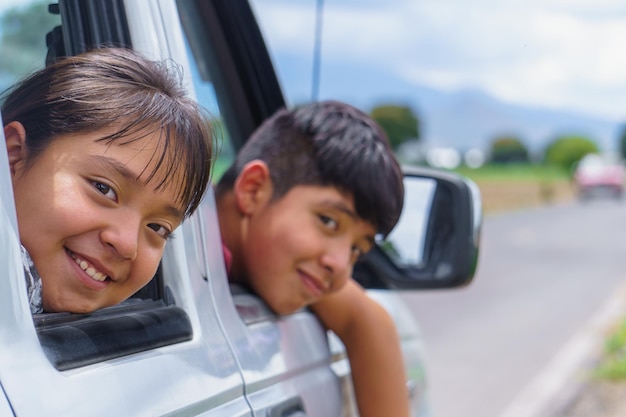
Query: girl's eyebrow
<point x="112" y="164"/>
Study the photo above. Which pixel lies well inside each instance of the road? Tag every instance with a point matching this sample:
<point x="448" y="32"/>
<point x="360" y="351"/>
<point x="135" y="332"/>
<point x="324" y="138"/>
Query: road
<point x="542" y="274"/>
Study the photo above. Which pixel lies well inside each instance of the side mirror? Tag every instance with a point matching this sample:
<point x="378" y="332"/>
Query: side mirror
<point x="435" y="243"/>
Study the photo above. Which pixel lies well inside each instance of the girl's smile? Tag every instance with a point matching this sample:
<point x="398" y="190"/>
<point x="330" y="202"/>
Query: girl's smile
<point x="96" y="279"/>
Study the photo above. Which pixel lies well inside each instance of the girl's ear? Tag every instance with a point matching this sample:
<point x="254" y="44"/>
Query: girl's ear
<point x="253" y="187"/>
<point x="15" y="137"/>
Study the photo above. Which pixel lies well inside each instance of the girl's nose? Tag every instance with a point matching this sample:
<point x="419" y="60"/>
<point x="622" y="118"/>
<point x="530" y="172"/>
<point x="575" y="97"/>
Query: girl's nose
<point x="122" y="236"/>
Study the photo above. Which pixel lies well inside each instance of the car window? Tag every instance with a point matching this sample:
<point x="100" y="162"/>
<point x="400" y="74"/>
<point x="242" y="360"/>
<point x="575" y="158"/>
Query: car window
<point x="318" y="52"/>
<point x="24" y="25"/>
<point x="28" y="27"/>
<point x="23" y="28"/>
<point x="292" y="46"/>
<point x="206" y="96"/>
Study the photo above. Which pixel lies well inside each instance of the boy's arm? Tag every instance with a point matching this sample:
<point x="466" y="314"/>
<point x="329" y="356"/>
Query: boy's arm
<point x="373" y="348"/>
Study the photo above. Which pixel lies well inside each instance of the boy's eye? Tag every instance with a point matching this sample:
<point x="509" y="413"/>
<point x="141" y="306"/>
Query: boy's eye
<point x="356" y="253"/>
<point x="329" y="222"/>
<point x="162" y="231"/>
<point x="105" y="189"/>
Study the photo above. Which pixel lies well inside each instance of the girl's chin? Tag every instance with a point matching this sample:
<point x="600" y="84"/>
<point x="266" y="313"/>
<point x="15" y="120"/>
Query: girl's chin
<point x="68" y="306"/>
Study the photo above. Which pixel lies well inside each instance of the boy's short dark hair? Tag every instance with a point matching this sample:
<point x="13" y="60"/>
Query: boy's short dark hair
<point x="328" y="143"/>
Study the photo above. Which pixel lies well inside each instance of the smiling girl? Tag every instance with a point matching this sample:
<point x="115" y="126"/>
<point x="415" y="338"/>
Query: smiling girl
<point x="108" y="155"/>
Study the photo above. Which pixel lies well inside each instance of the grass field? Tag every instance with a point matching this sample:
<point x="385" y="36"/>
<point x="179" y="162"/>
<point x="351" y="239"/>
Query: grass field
<point x="512" y="187"/>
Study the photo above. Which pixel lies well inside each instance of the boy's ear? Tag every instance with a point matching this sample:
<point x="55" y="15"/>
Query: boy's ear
<point x="15" y="137"/>
<point x="253" y="187"/>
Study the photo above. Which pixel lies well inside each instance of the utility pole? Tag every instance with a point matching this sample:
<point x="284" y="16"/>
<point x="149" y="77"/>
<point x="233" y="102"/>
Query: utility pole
<point x="317" y="51"/>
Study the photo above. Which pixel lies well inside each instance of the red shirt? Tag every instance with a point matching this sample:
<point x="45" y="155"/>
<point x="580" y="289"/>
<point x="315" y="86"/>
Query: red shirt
<point x="228" y="258"/>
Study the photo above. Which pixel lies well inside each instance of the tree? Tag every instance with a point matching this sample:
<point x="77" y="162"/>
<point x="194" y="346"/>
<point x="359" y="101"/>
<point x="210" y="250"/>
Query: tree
<point x="508" y="149"/>
<point x="399" y="123"/>
<point x="566" y="151"/>
<point x="24" y="37"/>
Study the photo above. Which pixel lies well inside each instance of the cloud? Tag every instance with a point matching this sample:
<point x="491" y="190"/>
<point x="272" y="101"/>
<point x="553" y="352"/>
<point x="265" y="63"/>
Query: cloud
<point x="557" y="53"/>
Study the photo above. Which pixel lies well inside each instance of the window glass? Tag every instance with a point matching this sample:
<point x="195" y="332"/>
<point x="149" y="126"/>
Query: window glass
<point x="205" y="94"/>
<point x="24" y="25"/>
<point x="23" y="28"/>
<point x="292" y="45"/>
<point x="472" y="73"/>
<point x="321" y="51"/>
<point x="405" y="243"/>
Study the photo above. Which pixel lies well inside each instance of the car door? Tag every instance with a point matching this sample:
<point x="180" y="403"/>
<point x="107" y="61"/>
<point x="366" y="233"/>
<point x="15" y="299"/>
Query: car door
<point x="285" y="361"/>
<point x="216" y="342"/>
<point x="162" y="353"/>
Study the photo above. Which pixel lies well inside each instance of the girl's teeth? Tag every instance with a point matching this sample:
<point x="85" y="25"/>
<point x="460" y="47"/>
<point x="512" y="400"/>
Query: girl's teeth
<point x="90" y="270"/>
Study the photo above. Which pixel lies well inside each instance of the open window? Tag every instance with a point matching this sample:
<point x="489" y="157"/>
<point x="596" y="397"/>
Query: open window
<point x="150" y="319"/>
<point x="234" y="79"/>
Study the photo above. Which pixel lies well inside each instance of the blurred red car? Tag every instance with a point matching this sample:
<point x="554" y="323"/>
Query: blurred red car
<point x="599" y="175"/>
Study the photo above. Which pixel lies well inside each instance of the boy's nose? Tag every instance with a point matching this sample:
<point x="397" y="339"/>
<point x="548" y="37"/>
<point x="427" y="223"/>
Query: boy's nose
<point x="337" y="260"/>
<point x="122" y="236"/>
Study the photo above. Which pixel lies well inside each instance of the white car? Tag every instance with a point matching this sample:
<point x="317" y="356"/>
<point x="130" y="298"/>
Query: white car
<point x="190" y="344"/>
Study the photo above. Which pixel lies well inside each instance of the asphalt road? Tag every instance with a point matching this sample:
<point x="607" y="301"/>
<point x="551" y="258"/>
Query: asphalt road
<point x="542" y="274"/>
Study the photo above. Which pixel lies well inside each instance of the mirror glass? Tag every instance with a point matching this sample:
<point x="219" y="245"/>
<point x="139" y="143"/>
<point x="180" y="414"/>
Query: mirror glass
<point x="405" y="243"/>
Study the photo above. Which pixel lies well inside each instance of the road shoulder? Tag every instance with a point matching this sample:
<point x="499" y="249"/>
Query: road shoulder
<point x="565" y="379"/>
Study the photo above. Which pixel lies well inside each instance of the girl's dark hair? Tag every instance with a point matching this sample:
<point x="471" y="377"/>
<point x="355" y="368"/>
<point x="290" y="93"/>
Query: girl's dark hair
<point x="119" y="88"/>
<point x="328" y="143"/>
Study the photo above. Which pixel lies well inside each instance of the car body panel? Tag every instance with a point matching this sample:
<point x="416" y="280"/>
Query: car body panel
<point x="5" y="406"/>
<point x="413" y="352"/>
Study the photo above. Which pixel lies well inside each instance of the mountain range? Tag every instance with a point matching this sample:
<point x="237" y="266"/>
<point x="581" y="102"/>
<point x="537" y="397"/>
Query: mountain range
<point x="466" y="118"/>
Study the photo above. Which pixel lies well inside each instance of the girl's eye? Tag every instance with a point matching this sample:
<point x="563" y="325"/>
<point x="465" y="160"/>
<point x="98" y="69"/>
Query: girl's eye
<point x="329" y="222"/>
<point x="105" y="189"/>
<point x="162" y="231"/>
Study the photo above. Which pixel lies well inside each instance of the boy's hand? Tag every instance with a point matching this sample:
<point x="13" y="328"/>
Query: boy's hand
<point x="373" y="348"/>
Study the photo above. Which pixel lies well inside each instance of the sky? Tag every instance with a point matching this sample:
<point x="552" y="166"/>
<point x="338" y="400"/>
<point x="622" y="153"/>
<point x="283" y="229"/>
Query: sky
<point x="564" y="54"/>
<point x="7" y="4"/>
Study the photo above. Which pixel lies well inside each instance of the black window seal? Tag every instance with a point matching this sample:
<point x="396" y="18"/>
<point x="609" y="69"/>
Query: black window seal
<point x="76" y="340"/>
